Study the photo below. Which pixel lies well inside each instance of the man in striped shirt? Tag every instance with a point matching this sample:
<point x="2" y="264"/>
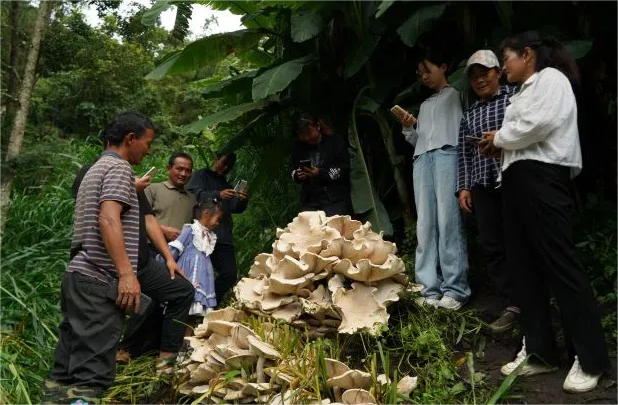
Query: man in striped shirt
<point x="106" y="242"/>
<point x="478" y="176"/>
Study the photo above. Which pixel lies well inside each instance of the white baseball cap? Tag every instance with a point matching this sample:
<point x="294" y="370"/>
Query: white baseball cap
<point x="484" y="57"/>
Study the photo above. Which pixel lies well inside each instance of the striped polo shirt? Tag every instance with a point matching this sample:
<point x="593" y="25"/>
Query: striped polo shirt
<point x="109" y="179"/>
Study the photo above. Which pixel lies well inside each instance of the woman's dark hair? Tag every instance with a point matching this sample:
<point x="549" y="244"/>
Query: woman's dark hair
<point x="305" y="119"/>
<point x="438" y="57"/>
<point x="210" y="205"/>
<point x="125" y="123"/>
<point x="549" y="53"/>
<point x="177" y="155"/>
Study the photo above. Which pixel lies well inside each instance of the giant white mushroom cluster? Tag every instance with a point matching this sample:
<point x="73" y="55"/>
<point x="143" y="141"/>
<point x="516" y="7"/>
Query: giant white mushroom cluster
<point x="326" y="274"/>
<point x="222" y="344"/>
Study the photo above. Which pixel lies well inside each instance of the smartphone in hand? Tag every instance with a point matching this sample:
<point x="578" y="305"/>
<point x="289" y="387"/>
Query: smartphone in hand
<point x="241" y="186"/>
<point x="305" y="163"/>
<point x="152" y="171"/>
<point x="474" y="138"/>
<point x="399" y="112"/>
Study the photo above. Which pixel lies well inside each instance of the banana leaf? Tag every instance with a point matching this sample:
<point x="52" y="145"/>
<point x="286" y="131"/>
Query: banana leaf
<point x="278" y="78"/>
<point x="224" y="116"/>
<point x="365" y="199"/>
<point x="419" y="23"/>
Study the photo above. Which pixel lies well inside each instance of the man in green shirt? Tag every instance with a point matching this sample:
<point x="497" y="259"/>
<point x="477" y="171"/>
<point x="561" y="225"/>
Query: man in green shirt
<point x="171" y="203"/>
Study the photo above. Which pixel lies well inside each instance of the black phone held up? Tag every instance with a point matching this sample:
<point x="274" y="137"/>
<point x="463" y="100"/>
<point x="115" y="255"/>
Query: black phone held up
<point x="112" y="294"/>
<point x="304" y="163"/>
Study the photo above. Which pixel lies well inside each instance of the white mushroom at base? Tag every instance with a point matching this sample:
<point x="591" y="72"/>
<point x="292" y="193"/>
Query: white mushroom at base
<point x="406" y="385"/>
<point x="358" y="396"/>
<point x="264" y="351"/>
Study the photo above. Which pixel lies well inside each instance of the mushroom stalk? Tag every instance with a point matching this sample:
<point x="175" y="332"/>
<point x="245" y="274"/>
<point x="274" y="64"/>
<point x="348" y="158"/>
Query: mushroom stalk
<point x="337" y="392"/>
<point x="260" y="369"/>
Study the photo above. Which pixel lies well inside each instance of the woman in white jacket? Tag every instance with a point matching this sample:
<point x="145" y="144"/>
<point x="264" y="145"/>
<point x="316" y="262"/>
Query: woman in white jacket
<point x="539" y="146"/>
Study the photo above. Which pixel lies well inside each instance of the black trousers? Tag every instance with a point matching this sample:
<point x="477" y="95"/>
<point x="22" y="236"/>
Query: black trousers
<point x="537" y="213"/>
<point x="488" y="213"/>
<point x="224" y="261"/>
<point x="89" y="333"/>
<point x="141" y="331"/>
<point x="330" y="207"/>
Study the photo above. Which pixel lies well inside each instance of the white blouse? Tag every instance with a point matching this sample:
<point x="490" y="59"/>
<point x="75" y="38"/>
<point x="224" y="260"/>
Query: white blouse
<point x="541" y="123"/>
<point x="438" y="122"/>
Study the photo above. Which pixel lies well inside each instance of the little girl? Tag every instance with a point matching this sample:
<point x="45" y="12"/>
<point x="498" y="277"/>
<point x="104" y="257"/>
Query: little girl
<point x="192" y="251"/>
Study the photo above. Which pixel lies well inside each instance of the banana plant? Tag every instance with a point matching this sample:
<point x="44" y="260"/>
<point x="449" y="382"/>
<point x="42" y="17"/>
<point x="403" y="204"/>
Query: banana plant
<point x="328" y="53"/>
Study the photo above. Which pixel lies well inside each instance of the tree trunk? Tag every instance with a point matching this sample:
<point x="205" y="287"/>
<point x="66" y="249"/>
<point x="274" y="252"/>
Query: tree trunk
<point x="13" y="55"/>
<point x="25" y="96"/>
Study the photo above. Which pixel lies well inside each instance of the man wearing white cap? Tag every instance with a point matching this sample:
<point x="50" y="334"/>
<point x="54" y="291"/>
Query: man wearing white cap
<point x="477" y="178"/>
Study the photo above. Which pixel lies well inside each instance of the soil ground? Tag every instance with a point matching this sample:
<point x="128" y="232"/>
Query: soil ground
<point x="539" y="389"/>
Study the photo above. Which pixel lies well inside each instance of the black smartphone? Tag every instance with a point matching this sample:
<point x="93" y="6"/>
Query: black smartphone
<point x="112" y="294"/>
<point x="304" y="163"/>
<point x="474" y="138"/>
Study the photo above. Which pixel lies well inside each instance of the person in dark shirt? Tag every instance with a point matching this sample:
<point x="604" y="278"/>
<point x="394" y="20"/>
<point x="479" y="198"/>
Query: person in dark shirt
<point x="207" y="184"/>
<point x="321" y="164"/>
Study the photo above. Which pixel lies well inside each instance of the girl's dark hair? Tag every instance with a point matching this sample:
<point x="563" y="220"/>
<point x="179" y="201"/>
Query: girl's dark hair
<point x="549" y="53"/>
<point x="125" y="123"/>
<point x="305" y="119"/>
<point x="210" y="205"/>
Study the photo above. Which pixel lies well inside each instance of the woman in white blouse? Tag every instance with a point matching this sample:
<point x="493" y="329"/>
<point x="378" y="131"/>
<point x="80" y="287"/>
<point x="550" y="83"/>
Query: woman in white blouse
<point x="539" y="147"/>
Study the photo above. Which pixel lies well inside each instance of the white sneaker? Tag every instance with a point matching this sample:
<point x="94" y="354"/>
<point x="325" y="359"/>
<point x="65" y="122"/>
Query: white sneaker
<point x="427" y="302"/>
<point x="450" y="303"/>
<point x="527" y="369"/>
<point x="578" y="380"/>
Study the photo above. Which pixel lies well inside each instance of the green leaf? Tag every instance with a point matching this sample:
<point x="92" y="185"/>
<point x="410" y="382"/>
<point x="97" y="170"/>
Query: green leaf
<point x="419" y="23"/>
<point x="363" y="194"/>
<point x="458" y="79"/>
<point x="306" y="24"/>
<point x="410" y="91"/>
<point x="384" y="5"/>
<point x="278" y="78"/>
<point x="242" y="136"/>
<point x="235" y="84"/>
<point x="151" y="16"/>
<point x="224" y="116"/>
<point x="368" y="104"/>
<point x="181" y="22"/>
<point x="579" y="49"/>
<point x="206" y="51"/>
<point x="361" y="54"/>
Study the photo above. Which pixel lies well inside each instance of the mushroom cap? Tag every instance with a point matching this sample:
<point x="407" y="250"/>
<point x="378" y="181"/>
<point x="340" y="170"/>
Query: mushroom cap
<point x="239" y="334"/>
<point x="200" y="353"/>
<point x="288" y="312"/>
<point x="334" y="367"/>
<point x="233" y="395"/>
<point x="286" y="286"/>
<point x="359" y="309"/>
<point x="244" y="291"/>
<point x="262" y="349"/>
<point x="226" y="314"/>
<point x="241" y="360"/>
<point x="200" y="389"/>
<point x="406" y="385"/>
<point x="256" y="389"/>
<point x="387" y="291"/>
<point x="357" y="396"/>
<point x="270" y="301"/>
<point x="317" y="263"/>
<point x="291" y="268"/>
<point x="344" y="224"/>
<point x="221" y="327"/>
<point x="351" y="379"/>
<point x="278" y="376"/>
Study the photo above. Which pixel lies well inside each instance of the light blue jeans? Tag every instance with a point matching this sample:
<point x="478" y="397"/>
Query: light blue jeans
<point x="441" y="254"/>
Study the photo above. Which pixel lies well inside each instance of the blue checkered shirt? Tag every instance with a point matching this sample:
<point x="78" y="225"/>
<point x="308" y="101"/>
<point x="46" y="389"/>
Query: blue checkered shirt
<point x="480" y="117"/>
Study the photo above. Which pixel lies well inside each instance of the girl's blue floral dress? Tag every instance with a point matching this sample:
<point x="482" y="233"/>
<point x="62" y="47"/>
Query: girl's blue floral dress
<point x="192" y="251"/>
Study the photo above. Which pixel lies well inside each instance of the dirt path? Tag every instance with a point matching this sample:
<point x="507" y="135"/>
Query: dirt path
<point x="540" y="389"/>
